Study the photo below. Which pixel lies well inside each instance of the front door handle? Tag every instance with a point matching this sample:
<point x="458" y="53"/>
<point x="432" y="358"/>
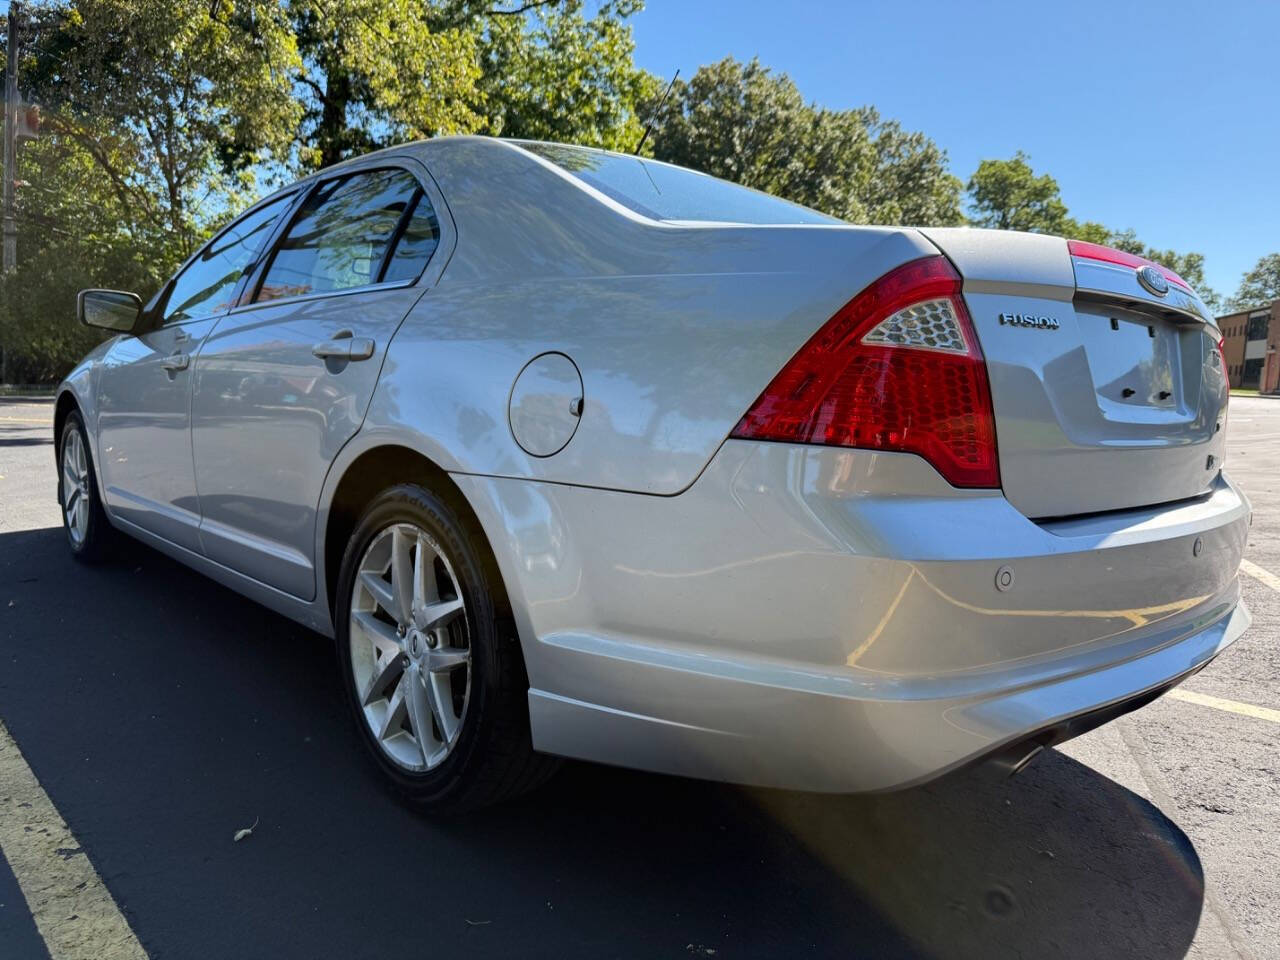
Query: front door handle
<point x="179" y="361"/>
<point x="344" y="346"/>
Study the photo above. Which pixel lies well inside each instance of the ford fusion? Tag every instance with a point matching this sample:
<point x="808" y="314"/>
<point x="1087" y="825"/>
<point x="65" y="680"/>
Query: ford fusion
<point x="578" y="454"/>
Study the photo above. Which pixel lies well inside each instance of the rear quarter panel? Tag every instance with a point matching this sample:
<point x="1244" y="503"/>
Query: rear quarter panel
<point x="675" y="329"/>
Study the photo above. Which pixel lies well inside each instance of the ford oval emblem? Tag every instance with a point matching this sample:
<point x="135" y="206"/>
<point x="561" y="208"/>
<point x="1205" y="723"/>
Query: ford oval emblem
<point x="1153" y="280"/>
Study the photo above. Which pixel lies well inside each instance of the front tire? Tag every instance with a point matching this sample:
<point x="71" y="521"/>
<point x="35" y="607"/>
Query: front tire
<point x="83" y="519"/>
<point x="432" y="670"/>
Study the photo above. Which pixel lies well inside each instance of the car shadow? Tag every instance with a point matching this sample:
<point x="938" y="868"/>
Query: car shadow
<point x="162" y="712"/>
<point x="24" y="441"/>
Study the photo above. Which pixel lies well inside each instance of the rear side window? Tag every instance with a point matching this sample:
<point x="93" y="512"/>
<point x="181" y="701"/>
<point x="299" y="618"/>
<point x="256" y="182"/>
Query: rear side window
<point x="416" y="245"/>
<point x="209" y="282"/>
<point x="343" y="237"/>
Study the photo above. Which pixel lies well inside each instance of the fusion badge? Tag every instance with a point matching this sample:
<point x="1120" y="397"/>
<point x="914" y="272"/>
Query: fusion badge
<point x="1028" y="320"/>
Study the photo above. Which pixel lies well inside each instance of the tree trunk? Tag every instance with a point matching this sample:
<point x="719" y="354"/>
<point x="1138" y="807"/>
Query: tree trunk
<point x="332" y="133"/>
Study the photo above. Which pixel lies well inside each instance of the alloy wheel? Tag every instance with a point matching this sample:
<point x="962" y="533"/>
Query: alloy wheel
<point x="75" y="487"/>
<point x="410" y="647"/>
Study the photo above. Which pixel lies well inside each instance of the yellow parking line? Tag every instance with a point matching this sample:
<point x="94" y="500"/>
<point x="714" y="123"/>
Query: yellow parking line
<point x="72" y="908"/>
<point x="47" y="423"/>
<point x="1266" y="576"/>
<point x="1231" y="706"/>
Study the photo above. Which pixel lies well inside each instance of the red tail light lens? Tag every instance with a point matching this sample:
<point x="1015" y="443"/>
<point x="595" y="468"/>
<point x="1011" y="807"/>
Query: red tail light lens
<point x="1096" y="251"/>
<point x="897" y="368"/>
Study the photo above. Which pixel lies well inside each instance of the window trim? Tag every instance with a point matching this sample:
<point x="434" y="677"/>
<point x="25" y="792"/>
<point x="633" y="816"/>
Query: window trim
<point x="156" y="313"/>
<point x="248" y="297"/>
<point x="398" y="234"/>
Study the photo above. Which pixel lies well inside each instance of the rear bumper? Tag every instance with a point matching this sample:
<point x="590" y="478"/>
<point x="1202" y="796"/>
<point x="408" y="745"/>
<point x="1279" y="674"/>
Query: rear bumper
<point x="831" y="620"/>
<point x="834" y="744"/>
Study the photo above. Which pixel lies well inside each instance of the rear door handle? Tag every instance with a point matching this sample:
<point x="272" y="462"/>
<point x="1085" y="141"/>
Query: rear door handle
<point x="344" y="346"/>
<point x="179" y="361"/>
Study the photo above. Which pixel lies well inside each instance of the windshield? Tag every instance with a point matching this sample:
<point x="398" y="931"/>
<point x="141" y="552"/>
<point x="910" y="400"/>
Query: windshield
<point x="661" y="191"/>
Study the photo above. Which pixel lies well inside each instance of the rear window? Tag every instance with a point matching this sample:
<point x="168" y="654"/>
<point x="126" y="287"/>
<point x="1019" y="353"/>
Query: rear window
<point x="661" y="191"/>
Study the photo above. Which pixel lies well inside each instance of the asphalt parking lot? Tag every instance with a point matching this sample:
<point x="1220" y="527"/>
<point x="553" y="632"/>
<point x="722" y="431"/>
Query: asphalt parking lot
<point x="151" y="714"/>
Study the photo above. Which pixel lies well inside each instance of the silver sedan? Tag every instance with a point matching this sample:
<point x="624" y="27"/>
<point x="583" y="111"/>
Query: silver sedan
<point x="578" y="454"/>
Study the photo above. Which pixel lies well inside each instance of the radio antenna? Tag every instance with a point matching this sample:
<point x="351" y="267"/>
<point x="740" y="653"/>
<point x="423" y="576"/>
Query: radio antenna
<point x="658" y="109"/>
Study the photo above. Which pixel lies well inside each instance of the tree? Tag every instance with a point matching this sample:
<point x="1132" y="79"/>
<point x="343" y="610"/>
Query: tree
<point x="155" y="114"/>
<point x="370" y="72"/>
<point x="374" y="72"/>
<point x="909" y="182"/>
<point x="744" y="123"/>
<point x="76" y="231"/>
<point x="174" y="100"/>
<point x="557" y="75"/>
<point x="1259" y="286"/>
<point x="1007" y="195"/>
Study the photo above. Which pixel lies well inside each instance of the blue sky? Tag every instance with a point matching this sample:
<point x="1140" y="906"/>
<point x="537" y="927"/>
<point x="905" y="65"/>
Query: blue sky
<point x="1162" y="117"/>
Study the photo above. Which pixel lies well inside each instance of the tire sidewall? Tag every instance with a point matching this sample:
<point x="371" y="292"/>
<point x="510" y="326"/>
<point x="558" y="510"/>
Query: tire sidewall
<point x="414" y="504"/>
<point x="88" y="546"/>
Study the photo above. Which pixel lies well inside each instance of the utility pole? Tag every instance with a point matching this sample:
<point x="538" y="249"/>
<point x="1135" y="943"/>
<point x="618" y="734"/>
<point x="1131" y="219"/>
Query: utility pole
<point x="9" y="259"/>
<point x="10" y="254"/>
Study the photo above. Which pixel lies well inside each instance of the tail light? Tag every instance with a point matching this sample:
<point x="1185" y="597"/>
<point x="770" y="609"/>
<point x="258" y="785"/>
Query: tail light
<point x="897" y="368"/>
<point x="1096" y="251"/>
<point x="1222" y="361"/>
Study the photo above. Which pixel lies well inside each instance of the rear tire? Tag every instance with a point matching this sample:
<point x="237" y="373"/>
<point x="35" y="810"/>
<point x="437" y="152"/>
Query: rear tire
<point x="89" y="532"/>
<point x="432" y="669"/>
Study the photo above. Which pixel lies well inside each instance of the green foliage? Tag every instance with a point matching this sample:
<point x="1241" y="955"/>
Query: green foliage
<point x="560" y="76"/>
<point x="375" y="72"/>
<point x="75" y="231"/>
<point x="155" y="113"/>
<point x="174" y="100"/>
<point x="162" y="117"/>
<point x="1007" y="195"/>
<point x="745" y="123"/>
<point x="1259" y="286"/>
<point x="372" y="72"/>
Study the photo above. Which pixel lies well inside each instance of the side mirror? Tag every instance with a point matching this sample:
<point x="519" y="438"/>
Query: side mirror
<point x="115" y="310"/>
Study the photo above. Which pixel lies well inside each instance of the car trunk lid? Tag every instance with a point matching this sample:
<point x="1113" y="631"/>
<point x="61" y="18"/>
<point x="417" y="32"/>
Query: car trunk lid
<point x="1107" y="395"/>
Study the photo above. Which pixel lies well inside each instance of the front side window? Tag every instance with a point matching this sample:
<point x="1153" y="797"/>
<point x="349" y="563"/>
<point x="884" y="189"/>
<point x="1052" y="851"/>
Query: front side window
<point x="343" y="234"/>
<point x="209" y="281"/>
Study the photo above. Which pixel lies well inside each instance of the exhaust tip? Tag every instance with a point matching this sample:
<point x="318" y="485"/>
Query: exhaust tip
<point x="1014" y="759"/>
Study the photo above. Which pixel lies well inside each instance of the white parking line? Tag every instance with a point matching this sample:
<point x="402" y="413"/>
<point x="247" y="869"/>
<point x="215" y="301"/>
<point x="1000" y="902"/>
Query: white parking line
<point x="1266" y="576"/>
<point x="72" y="908"/>
<point x="1231" y="706"/>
